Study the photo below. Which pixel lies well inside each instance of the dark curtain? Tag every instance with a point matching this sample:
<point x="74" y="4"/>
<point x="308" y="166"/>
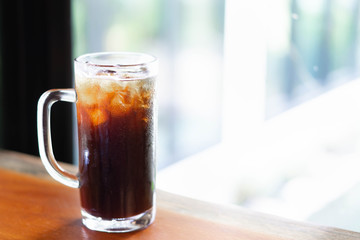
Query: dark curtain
<point x="35" y="48"/>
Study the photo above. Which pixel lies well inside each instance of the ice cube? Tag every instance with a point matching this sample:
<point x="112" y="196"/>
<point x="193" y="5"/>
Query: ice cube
<point x="118" y="104"/>
<point x="97" y="116"/>
<point x="88" y="94"/>
<point x="109" y="86"/>
<point x="88" y="90"/>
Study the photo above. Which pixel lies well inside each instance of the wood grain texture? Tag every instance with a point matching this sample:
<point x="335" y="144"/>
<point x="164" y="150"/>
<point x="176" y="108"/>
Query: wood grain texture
<point x="33" y="206"/>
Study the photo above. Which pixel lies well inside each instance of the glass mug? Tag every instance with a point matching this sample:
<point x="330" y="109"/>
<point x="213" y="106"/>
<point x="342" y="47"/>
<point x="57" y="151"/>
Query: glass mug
<point x="116" y="119"/>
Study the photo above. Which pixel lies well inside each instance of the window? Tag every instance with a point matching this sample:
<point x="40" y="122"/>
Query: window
<point x="291" y="113"/>
<point x="312" y="47"/>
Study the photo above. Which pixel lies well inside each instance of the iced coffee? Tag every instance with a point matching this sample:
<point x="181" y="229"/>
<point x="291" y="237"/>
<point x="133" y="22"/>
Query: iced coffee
<point x="115" y="114"/>
<point x="116" y="117"/>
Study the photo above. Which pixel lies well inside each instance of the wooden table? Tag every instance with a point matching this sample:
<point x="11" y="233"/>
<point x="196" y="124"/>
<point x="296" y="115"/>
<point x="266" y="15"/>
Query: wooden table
<point x="33" y="206"/>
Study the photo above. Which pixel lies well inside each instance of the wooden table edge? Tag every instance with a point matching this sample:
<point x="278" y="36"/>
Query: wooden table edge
<point x="237" y="216"/>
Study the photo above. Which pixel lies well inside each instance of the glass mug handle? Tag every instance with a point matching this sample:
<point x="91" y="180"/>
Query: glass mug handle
<point x="45" y="102"/>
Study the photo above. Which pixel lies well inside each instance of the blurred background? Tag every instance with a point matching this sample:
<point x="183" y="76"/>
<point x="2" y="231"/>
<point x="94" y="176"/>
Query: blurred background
<point x="259" y="101"/>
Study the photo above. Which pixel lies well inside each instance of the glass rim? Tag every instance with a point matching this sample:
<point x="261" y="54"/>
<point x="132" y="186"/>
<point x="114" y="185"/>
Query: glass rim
<point x="81" y="58"/>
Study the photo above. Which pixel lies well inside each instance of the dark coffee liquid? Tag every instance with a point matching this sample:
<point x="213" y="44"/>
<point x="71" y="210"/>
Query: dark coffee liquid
<point x="116" y="149"/>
